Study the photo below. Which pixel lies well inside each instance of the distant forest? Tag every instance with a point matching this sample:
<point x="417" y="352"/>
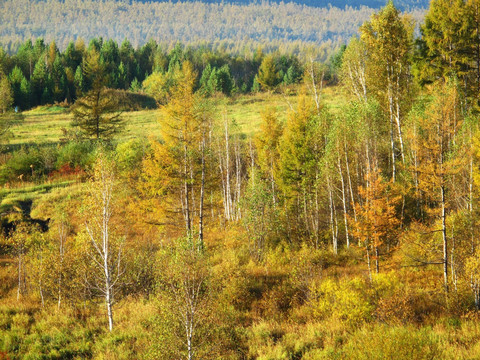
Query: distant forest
<point x="375" y="4"/>
<point x="231" y="27"/>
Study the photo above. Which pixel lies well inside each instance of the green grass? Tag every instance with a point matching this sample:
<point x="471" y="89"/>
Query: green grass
<point x="246" y="111"/>
<point x="12" y="199"/>
<point x="44" y="124"/>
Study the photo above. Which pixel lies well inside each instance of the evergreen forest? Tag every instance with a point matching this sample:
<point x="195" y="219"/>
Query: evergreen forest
<point x="242" y="199"/>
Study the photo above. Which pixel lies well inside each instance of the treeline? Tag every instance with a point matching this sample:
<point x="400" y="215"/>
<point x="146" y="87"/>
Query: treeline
<point x="374" y="4"/>
<point x="40" y="74"/>
<point x="286" y="27"/>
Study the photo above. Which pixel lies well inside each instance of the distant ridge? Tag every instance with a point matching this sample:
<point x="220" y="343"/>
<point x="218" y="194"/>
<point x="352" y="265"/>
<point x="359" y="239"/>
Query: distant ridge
<point x="226" y="25"/>
<point x="403" y="5"/>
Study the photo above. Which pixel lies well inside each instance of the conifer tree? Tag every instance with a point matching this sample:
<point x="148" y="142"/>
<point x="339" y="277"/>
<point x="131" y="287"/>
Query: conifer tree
<point x="6" y="94"/>
<point x="98" y="112"/>
<point x="176" y="170"/>
<point x="376" y="222"/>
<point x="21" y="93"/>
<point x="300" y="150"/>
<point x="268" y="76"/>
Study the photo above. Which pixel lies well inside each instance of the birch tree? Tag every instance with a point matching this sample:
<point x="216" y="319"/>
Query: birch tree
<point x="388" y="39"/>
<point x="353" y="71"/>
<point x="185" y="300"/>
<point x="105" y="246"/>
<point x="437" y="161"/>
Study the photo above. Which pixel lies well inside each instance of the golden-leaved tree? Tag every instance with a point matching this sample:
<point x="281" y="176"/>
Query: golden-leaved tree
<point x="376" y="222"/>
<point x="388" y="40"/>
<point x="437" y="161"/>
<point x="176" y="168"/>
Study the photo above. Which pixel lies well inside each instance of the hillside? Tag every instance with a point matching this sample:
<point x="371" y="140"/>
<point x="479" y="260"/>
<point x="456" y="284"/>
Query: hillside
<point x="231" y="27"/>
<point x="186" y="203"/>
<point x="374" y="4"/>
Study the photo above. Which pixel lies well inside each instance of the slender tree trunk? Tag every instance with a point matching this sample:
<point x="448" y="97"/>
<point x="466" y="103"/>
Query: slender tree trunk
<point x="202" y="195"/>
<point x="106" y="267"/>
<point x="444" y="238"/>
<point x="476" y="290"/>
<point x="332" y="217"/>
<point x="224" y="185"/>
<point x="40" y="289"/>
<point x="316" y="95"/>
<point x="367" y="245"/>
<point x="317" y="212"/>
<point x="238" y="181"/>
<point x="392" y="141"/>
<point x="344" y="202"/>
<point x="398" y="119"/>
<point x="188" y="224"/>
<point x="470" y="205"/>
<point x="20" y="270"/>
<point x="415" y="175"/>
<point x="350" y="183"/>
<point x="228" y="195"/>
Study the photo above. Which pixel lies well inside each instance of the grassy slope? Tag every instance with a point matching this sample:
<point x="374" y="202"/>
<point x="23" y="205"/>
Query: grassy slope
<point x="44" y="124"/>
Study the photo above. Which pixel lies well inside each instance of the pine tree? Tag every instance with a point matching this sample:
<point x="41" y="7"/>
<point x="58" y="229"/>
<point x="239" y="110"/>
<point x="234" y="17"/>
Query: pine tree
<point x="20" y="95"/>
<point x="6" y="94"/>
<point x="98" y="112"/>
<point x="40" y="83"/>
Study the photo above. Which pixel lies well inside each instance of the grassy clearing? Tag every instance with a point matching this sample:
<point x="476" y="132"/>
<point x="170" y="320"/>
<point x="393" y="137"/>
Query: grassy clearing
<point x="14" y="198"/>
<point x="44" y="124"/>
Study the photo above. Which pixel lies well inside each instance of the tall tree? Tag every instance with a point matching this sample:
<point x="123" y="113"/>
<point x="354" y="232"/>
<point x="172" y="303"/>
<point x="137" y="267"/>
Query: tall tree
<point x="98" y="112"/>
<point x="376" y="222"/>
<point x="444" y="36"/>
<point x="300" y="150"/>
<point x="267" y="141"/>
<point x="354" y="69"/>
<point x="40" y="83"/>
<point x="105" y="245"/>
<point x="437" y="162"/>
<point x="21" y="96"/>
<point x="6" y="94"/>
<point x="177" y="167"/>
<point x="388" y="39"/>
<point x="268" y="76"/>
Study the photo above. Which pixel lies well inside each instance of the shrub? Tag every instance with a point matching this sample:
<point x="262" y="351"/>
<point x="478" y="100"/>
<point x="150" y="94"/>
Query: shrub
<point x="383" y="342"/>
<point x="76" y="154"/>
<point x="130" y="155"/>
<point x="347" y="301"/>
<point x="27" y="164"/>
